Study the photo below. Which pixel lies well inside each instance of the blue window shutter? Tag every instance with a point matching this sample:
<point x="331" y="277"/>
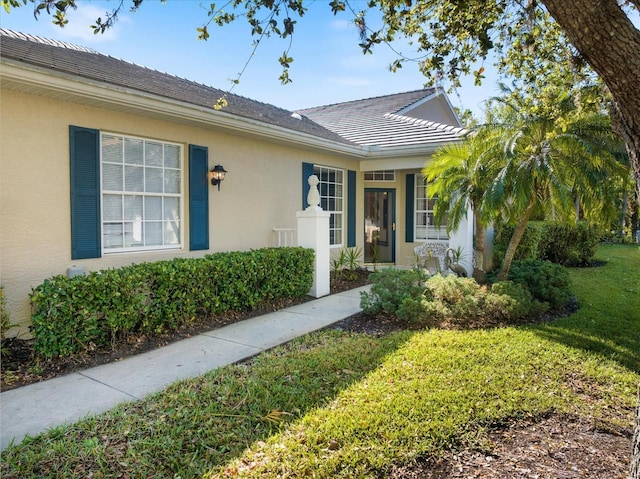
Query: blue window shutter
<point x="198" y="197"/>
<point x="307" y="171"/>
<point x="351" y="208"/>
<point x="410" y="208"/>
<point x="84" y="149"/>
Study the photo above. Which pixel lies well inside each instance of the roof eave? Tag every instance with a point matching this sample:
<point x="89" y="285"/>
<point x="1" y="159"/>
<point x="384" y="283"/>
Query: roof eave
<point x="45" y="82"/>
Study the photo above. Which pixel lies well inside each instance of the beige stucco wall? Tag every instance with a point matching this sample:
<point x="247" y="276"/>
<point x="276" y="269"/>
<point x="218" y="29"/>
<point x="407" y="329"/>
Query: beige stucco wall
<point x="262" y="189"/>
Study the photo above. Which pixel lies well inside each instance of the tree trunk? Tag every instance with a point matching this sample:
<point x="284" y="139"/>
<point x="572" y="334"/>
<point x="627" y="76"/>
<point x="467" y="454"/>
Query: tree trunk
<point x="608" y="41"/>
<point x="635" y="458"/>
<point x="478" y="268"/>
<point x="517" y="235"/>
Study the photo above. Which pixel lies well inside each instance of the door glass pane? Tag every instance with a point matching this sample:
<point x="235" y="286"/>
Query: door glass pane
<point x="379" y="227"/>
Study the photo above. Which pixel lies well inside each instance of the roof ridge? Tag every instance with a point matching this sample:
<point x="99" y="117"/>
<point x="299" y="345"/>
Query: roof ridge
<point x="428" y="123"/>
<point x="5" y="32"/>
<point x="368" y="99"/>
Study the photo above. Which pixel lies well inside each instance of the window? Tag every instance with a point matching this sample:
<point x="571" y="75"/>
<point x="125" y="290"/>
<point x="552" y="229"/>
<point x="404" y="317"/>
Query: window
<point x="381" y="175"/>
<point x="141" y="194"/>
<point x="331" y="189"/>
<point x="425" y="227"/>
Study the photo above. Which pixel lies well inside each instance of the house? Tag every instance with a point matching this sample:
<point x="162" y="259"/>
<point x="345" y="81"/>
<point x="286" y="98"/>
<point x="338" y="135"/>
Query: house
<point x="106" y="163"/>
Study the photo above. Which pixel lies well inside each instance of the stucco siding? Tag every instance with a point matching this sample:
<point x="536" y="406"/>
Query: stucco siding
<point x="262" y="189"/>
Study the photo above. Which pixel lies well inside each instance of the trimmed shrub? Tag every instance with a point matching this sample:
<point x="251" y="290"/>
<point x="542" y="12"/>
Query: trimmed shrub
<point x="568" y="245"/>
<point x="71" y="315"/>
<point x="547" y="282"/>
<point x="399" y="293"/>
<point x="565" y="244"/>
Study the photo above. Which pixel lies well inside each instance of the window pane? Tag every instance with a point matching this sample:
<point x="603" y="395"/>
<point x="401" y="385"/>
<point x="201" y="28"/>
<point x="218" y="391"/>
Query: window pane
<point x="153" y="154"/>
<point x="153" y="180"/>
<point x="112" y="177"/>
<point x="153" y="208"/>
<point x="153" y="233"/>
<point x="133" y="179"/>
<point x="112" y="149"/>
<point x="112" y="207"/>
<point x="133" y="233"/>
<point x="133" y="151"/>
<point x="133" y="207"/>
<point x="171" y="156"/>
<point x="171" y="208"/>
<point x="171" y="181"/>
<point x="112" y="235"/>
<point x="172" y="233"/>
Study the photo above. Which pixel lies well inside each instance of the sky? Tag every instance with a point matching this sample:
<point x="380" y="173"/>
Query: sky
<point x="328" y="67"/>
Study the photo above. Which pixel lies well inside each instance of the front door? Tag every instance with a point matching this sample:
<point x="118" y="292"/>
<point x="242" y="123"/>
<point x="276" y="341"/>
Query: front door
<point x="379" y="225"/>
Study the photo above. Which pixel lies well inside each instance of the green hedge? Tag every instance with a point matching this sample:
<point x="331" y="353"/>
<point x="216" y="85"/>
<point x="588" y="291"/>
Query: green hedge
<point x="71" y="315"/>
<point x="565" y="244"/>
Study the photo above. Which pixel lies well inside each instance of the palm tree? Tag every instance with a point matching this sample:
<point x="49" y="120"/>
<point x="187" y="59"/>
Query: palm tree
<point x="545" y="163"/>
<point x="458" y="177"/>
<point x="517" y="164"/>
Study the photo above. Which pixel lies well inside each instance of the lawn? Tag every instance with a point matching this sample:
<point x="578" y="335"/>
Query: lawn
<point x="337" y="404"/>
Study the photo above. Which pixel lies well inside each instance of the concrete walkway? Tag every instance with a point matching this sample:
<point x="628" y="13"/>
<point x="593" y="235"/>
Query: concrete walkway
<point x="32" y="409"/>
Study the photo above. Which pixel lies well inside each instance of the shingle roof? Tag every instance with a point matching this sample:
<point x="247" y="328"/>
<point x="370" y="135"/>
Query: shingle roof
<point x="87" y="63"/>
<point x="381" y="121"/>
<point x="376" y="122"/>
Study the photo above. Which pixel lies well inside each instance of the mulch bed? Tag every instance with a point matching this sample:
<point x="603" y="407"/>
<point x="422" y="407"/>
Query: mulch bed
<point x="552" y="447"/>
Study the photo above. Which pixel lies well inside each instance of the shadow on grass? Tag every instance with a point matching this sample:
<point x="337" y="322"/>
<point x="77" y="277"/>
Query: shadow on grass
<point x="199" y="425"/>
<point x="608" y="321"/>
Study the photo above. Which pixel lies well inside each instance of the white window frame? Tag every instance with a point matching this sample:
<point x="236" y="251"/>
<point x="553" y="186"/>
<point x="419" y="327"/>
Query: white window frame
<point x="382" y="176"/>
<point x="137" y="226"/>
<point x="332" y="200"/>
<point x="424" y="214"/>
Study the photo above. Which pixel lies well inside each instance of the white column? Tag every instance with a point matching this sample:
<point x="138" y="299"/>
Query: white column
<point x="313" y="232"/>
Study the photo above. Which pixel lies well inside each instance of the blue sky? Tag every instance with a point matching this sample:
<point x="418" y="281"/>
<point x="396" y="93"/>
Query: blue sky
<point x="328" y="66"/>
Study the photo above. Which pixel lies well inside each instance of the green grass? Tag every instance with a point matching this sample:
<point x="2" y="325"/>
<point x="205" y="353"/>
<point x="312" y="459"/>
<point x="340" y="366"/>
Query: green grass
<point x="346" y="405"/>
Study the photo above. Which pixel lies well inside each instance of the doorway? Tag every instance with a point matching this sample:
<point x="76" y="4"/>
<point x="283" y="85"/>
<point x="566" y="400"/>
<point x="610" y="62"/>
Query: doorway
<point x="379" y="225"/>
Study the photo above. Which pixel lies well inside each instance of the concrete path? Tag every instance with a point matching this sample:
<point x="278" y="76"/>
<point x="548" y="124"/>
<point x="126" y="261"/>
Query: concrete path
<point x="32" y="409"/>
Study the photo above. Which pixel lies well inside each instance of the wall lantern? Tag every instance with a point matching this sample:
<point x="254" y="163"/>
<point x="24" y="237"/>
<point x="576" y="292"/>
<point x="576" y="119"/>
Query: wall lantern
<point x="217" y="175"/>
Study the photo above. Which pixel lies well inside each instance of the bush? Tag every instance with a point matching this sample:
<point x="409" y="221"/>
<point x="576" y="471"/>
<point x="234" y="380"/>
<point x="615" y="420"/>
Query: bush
<point x="547" y="282"/>
<point x="71" y="315"/>
<point x="514" y="301"/>
<point x="413" y="297"/>
<point x="568" y="245"/>
<point x="565" y="244"/>
<point x="462" y="301"/>
<point x="5" y="322"/>
<point x="399" y="293"/>
<point x="528" y="247"/>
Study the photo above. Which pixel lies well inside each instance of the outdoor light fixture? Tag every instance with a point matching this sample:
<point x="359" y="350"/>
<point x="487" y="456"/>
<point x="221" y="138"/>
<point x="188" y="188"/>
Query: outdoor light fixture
<point x="217" y="175"/>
